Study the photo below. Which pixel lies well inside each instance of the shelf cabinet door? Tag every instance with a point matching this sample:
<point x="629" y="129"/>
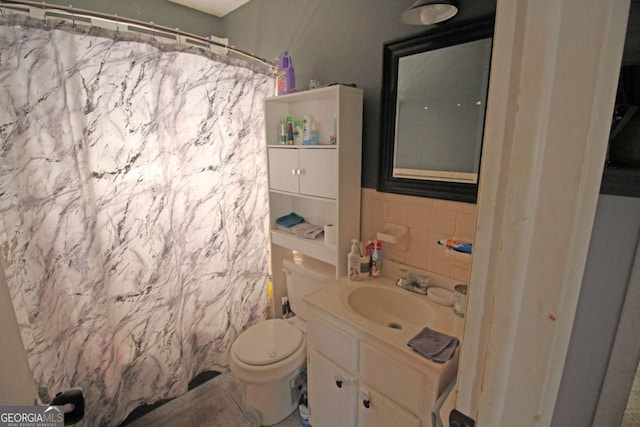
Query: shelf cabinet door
<point x="319" y="173"/>
<point x="375" y="410"/>
<point x="283" y="170"/>
<point x="332" y="393"/>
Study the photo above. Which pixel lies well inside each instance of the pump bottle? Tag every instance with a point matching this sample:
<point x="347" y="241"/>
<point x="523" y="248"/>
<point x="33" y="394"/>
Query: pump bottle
<point x="353" y="261"/>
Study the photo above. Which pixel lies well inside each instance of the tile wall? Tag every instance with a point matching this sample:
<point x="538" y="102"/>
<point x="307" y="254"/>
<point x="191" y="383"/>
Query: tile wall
<point x="427" y="220"/>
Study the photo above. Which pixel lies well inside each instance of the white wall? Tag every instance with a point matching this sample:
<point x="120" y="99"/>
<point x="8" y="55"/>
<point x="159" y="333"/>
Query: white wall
<point x="616" y="231"/>
<point x="161" y="12"/>
<point x="336" y="41"/>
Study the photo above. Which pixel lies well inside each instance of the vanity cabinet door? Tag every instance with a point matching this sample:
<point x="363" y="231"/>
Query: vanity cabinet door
<point x="332" y="393"/>
<point x="396" y="380"/>
<point x="319" y="172"/>
<point x="283" y="170"/>
<point x="375" y="410"/>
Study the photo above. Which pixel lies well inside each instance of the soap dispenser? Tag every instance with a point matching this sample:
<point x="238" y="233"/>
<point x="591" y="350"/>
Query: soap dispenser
<point x="353" y="261"/>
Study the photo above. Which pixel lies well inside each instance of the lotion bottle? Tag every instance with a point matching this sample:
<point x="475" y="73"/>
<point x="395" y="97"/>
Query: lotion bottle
<point x="297" y="133"/>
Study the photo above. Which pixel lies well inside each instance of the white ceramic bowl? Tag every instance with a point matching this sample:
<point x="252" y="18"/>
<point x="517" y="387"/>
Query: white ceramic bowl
<point x="441" y="296"/>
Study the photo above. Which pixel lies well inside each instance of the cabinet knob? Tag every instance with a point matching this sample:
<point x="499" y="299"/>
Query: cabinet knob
<point x="300" y="171"/>
<point x="293" y="171"/>
<point x="366" y="403"/>
<point x="339" y="383"/>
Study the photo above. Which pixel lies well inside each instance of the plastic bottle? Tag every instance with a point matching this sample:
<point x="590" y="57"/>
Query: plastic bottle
<point x="314" y="134"/>
<point x="297" y="133"/>
<point x="303" y="407"/>
<point x="285" y="78"/>
<point x="376" y="259"/>
<point x="289" y="131"/>
<point x="353" y="261"/>
<point x="334" y="138"/>
<point x="365" y="265"/>
<point x="283" y="132"/>
<point x="306" y="131"/>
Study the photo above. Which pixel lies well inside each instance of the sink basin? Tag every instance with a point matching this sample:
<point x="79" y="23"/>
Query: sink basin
<point x="391" y="308"/>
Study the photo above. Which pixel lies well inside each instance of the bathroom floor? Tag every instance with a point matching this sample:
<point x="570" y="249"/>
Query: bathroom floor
<point x="217" y="402"/>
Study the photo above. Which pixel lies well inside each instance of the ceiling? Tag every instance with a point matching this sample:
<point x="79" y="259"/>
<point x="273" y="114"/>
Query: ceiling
<point x="218" y="8"/>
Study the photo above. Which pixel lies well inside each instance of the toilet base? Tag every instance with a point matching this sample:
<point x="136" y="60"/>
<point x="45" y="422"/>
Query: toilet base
<point x="274" y="401"/>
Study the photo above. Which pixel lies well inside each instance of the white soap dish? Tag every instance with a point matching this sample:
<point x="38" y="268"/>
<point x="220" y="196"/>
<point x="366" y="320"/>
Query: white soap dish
<point x="441" y="296"/>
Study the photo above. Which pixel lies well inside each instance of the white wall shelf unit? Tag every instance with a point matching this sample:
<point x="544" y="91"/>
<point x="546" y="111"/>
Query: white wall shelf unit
<point x="319" y="182"/>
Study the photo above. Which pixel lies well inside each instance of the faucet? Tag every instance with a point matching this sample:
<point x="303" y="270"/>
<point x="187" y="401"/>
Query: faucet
<point x="412" y="285"/>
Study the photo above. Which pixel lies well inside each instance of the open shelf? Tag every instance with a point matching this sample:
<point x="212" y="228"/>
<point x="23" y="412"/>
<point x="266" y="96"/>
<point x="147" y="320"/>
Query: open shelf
<point x="315" y="248"/>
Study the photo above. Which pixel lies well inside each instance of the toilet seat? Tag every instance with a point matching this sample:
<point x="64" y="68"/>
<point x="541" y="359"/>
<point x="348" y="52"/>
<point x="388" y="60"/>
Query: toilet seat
<point x="267" y="342"/>
<point x="253" y="347"/>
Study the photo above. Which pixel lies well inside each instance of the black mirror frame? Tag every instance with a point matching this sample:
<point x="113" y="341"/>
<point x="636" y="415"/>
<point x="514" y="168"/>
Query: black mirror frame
<point x="441" y="36"/>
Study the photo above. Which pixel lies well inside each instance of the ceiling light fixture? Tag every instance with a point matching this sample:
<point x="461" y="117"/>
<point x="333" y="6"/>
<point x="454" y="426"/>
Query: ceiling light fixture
<point x="426" y="12"/>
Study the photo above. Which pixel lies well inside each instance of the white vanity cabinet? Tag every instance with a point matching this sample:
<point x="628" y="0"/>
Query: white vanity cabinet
<point x="354" y="379"/>
<point x="306" y="170"/>
<point x="376" y="410"/>
<point x="319" y="182"/>
<point x="334" y="390"/>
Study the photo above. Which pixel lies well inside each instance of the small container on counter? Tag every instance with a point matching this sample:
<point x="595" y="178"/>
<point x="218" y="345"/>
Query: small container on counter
<point x="376" y="259"/>
<point x="460" y="299"/>
<point x="353" y="261"/>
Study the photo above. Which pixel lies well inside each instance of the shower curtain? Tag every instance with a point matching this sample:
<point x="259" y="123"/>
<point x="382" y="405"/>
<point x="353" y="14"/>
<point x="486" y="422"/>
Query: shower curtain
<point x="133" y="209"/>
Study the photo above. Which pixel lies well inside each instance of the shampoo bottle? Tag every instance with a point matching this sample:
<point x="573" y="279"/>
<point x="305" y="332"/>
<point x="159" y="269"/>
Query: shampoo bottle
<point x="353" y="261"/>
<point x="285" y="78"/>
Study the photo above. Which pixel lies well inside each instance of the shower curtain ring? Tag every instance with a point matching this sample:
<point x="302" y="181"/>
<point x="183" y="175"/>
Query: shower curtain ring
<point x="73" y="17"/>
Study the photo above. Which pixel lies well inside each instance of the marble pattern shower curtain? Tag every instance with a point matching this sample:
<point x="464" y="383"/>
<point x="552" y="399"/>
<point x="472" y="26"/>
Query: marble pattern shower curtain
<point x="133" y="209"/>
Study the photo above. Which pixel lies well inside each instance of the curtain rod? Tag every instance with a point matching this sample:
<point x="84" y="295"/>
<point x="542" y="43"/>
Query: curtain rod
<point x="149" y="25"/>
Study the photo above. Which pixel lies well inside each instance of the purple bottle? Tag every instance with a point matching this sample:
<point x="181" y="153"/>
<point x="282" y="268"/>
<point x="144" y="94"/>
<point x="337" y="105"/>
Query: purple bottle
<point x="286" y="78"/>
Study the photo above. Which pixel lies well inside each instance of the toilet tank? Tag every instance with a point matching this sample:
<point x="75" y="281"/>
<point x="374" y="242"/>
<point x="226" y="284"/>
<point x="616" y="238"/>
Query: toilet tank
<point x="304" y="279"/>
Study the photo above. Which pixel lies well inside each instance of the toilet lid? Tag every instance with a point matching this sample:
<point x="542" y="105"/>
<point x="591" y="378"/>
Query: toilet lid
<point x="267" y="342"/>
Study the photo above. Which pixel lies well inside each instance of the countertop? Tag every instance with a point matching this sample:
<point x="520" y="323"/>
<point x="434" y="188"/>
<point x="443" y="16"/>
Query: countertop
<point x="333" y="300"/>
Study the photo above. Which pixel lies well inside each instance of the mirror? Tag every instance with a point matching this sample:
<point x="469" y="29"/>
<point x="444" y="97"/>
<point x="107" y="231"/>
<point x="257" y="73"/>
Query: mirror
<point x="434" y="97"/>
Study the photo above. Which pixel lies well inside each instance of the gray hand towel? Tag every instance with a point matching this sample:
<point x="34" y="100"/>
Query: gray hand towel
<point x="434" y="345"/>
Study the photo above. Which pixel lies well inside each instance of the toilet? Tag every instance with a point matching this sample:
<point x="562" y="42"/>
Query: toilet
<point x="269" y="356"/>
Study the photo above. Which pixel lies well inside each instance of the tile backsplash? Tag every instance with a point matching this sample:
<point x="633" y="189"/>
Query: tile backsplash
<point x="428" y="221"/>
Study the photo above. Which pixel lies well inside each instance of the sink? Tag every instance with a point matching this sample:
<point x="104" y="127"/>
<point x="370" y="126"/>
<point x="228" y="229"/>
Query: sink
<point x="390" y="307"/>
